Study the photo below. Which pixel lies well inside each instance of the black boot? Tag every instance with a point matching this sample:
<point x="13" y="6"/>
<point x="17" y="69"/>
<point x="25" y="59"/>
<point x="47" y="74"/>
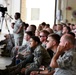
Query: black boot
<point x="4" y="72"/>
<point x="5" y="54"/>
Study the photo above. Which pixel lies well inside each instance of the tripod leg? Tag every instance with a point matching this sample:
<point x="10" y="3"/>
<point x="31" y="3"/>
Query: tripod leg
<point x="2" y="19"/>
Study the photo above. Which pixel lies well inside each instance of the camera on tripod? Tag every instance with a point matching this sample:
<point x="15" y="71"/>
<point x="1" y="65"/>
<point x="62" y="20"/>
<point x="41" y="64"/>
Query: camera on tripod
<point x="3" y="10"/>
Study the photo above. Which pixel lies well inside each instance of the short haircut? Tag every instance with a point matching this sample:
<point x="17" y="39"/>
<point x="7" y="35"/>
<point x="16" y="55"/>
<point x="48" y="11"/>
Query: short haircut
<point x="43" y="23"/>
<point x="56" y="37"/>
<point x="34" y="26"/>
<point x="25" y="24"/>
<point x="71" y="33"/>
<point x="48" y="25"/>
<point x="29" y="33"/>
<point x="35" y="38"/>
<point x="18" y="14"/>
<point x="68" y="28"/>
<point x="46" y="33"/>
<point x="69" y="38"/>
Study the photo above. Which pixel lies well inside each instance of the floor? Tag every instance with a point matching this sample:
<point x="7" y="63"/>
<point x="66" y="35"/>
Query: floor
<point x="4" y="61"/>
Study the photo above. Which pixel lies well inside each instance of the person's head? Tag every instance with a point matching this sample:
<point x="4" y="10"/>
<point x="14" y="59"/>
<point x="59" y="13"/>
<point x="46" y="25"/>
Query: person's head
<point x="59" y="27"/>
<point x="66" y="29"/>
<point x="74" y="26"/>
<point x="17" y="15"/>
<point x="68" y="24"/>
<point x="54" y="27"/>
<point x="34" y="41"/>
<point x="12" y="25"/>
<point x="49" y="30"/>
<point x="52" y="41"/>
<point x="34" y="26"/>
<point x="67" y="41"/>
<point x="43" y="35"/>
<point x="7" y="36"/>
<point x="43" y="24"/>
<point x="71" y="33"/>
<point x="71" y="26"/>
<point x="31" y="28"/>
<point x="28" y="35"/>
<point x="40" y="27"/>
<point x="25" y="25"/>
<point x="47" y="26"/>
<point x="37" y="32"/>
<point x="63" y="24"/>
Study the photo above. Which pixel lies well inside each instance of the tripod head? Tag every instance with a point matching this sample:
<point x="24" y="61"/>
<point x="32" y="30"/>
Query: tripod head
<point x="3" y="10"/>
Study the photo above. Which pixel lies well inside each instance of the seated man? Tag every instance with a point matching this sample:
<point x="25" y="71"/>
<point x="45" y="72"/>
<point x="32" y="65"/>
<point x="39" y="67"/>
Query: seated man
<point x="9" y="44"/>
<point x="65" y="65"/>
<point x="43" y="37"/>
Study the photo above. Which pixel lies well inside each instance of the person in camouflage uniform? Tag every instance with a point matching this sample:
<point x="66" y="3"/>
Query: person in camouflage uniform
<point x="66" y="64"/>
<point x="21" y="50"/>
<point x="41" y="56"/>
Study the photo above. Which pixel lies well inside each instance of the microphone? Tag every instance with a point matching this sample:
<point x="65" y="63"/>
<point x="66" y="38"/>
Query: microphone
<point x="9" y="15"/>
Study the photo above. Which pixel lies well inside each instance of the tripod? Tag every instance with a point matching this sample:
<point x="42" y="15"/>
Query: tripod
<point x="3" y="18"/>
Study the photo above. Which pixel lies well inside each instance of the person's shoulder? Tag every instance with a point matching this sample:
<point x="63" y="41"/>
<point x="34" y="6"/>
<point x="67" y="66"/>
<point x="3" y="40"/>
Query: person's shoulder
<point x="19" y="20"/>
<point x="39" y="48"/>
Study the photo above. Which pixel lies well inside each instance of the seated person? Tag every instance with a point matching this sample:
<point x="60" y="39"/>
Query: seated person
<point x="9" y="44"/>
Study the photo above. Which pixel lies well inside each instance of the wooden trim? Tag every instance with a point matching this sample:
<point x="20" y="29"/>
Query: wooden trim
<point x="23" y="9"/>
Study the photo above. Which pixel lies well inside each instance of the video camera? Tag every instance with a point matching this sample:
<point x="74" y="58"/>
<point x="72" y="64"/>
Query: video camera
<point x="3" y="10"/>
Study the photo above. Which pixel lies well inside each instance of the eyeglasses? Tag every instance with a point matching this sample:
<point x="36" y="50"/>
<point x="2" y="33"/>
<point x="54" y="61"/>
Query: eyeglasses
<point x="42" y="36"/>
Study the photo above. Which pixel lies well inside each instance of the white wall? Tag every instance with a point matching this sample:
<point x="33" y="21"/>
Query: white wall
<point x="46" y="11"/>
<point x="15" y="6"/>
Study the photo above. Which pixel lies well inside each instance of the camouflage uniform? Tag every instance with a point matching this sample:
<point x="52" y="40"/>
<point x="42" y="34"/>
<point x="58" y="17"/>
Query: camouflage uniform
<point x="22" y="49"/>
<point x="43" y="45"/>
<point x="67" y="63"/>
<point x="41" y="57"/>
